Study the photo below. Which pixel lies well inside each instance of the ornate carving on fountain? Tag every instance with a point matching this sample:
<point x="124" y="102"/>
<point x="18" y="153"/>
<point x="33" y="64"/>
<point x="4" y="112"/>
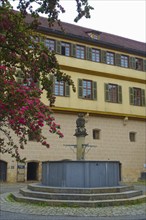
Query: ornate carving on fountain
<point x="80" y="126"/>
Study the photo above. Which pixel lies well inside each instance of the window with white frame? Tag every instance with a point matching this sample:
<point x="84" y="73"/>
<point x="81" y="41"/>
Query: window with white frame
<point x="80" y="52"/>
<point x="110" y="58"/>
<point x="95" y="55"/>
<point x="61" y="88"/>
<point x="124" y="61"/>
<point x="50" y="44"/>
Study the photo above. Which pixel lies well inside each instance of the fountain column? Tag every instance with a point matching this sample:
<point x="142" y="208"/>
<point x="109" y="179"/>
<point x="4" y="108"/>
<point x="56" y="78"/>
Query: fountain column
<point x="80" y="134"/>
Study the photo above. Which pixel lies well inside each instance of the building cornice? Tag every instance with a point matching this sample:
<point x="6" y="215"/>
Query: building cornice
<point x="64" y="110"/>
<point x="107" y="75"/>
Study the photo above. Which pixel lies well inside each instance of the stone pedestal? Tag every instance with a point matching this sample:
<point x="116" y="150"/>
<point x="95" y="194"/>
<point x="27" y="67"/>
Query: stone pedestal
<point x="80" y="148"/>
<point x="80" y="134"/>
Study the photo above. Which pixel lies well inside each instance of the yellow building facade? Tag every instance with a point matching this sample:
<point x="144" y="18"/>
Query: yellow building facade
<point x="109" y="73"/>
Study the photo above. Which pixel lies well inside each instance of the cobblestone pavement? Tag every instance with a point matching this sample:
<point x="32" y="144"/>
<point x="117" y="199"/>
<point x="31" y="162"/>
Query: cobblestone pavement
<point x="130" y="211"/>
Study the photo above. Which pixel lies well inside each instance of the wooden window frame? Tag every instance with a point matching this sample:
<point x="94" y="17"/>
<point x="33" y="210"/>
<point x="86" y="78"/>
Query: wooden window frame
<point x="82" y="89"/>
<point x="113" y="93"/>
<point x="137" y="96"/>
<point x="65" y="49"/>
<point x="139" y="64"/>
<point x="87" y="89"/>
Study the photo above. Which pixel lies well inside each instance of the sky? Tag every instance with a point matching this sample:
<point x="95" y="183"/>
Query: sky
<point x="126" y="18"/>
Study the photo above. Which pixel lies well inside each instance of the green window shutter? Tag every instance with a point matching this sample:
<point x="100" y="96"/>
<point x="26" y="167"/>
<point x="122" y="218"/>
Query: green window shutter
<point x="103" y="56"/>
<point x="89" y="53"/>
<point x="143" y="97"/>
<point x="52" y="79"/>
<point x="119" y="94"/>
<point x="131" y="95"/>
<point x="37" y="84"/>
<point x="80" y="88"/>
<point x="19" y="80"/>
<point x="132" y="62"/>
<point x="118" y="59"/>
<point x="58" y="47"/>
<point x="144" y="65"/>
<point x="67" y="89"/>
<point x="19" y="77"/>
<point x="106" y="92"/>
<point x="73" y="50"/>
<point x="94" y="91"/>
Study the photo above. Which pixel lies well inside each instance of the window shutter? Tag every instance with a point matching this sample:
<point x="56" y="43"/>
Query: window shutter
<point x="19" y="80"/>
<point x="58" y="47"/>
<point x="19" y="77"/>
<point x="106" y="92"/>
<point x="73" y="50"/>
<point x="131" y="95"/>
<point x="94" y="86"/>
<point x="143" y="97"/>
<point x="80" y="88"/>
<point x="89" y="53"/>
<point x="103" y="56"/>
<point x="52" y="79"/>
<point x="144" y="65"/>
<point x="37" y="84"/>
<point x="118" y="59"/>
<point x="119" y="94"/>
<point x="67" y="89"/>
<point x="132" y="62"/>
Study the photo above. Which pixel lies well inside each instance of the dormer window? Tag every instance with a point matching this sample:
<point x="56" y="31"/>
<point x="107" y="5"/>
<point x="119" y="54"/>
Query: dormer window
<point x="94" y="35"/>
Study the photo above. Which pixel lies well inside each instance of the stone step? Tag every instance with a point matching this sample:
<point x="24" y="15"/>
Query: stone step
<point x="78" y="203"/>
<point x="83" y="197"/>
<point x="42" y="188"/>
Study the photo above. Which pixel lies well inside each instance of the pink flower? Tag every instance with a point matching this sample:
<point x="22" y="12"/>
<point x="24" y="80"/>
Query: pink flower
<point x="22" y="121"/>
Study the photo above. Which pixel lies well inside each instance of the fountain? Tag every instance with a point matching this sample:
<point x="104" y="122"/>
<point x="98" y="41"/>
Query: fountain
<point x="80" y="173"/>
<point x="80" y="183"/>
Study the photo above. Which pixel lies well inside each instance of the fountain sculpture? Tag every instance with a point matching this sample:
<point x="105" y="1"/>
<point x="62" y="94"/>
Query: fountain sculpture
<point x="80" y="173"/>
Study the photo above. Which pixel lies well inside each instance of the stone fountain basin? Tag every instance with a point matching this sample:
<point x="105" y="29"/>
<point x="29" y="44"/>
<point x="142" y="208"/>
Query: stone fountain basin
<point x="80" y="174"/>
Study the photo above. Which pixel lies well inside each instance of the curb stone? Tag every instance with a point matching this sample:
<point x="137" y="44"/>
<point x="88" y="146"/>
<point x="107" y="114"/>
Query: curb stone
<point x="17" y="207"/>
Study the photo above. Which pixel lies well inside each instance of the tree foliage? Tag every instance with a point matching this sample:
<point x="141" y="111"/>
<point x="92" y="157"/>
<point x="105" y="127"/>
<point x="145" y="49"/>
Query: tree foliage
<point x="21" y="109"/>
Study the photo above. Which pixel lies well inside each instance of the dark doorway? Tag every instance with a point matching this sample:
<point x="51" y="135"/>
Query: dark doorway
<point x="3" y="171"/>
<point x="32" y="171"/>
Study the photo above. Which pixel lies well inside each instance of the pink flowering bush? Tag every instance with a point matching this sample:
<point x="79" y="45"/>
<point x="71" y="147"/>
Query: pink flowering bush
<point x="21" y="109"/>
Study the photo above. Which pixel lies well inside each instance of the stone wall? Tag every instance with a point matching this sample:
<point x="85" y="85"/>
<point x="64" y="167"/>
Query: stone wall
<point x="113" y="144"/>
